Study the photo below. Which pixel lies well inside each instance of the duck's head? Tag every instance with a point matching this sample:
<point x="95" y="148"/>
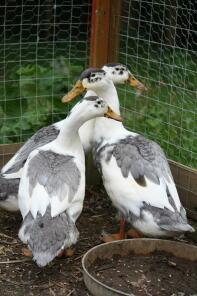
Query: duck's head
<point x="120" y="74"/>
<point x="93" y="106"/>
<point x="90" y="79"/>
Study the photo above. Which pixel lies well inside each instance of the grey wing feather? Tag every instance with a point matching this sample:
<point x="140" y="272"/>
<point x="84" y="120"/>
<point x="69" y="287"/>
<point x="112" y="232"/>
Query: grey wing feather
<point x="43" y="136"/>
<point x="8" y="187"/>
<point x="47" y="236"/>
<point x="142" y="158"/>
<point x="168" y="220"/>
<point x="57" y="173"/>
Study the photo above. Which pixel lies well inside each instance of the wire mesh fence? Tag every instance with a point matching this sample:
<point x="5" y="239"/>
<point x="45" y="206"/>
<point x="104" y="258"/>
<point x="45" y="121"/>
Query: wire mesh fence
<point x="158" y="43"/>
<point x="43" y="47"/>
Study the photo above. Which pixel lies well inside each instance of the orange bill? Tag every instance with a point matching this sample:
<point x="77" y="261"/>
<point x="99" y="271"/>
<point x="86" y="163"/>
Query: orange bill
<point x="113" y="115"/>
<point x="75" y="91"/>
<point x="132" y="81"/>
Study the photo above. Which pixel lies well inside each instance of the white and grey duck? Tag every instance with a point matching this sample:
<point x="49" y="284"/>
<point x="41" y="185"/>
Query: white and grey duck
<point x="52" y="186"/>
<point x="134" y="169"/>
<point x="9" y="181"/>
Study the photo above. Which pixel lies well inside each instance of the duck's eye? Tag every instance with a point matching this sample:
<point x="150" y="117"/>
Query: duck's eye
<point x="99" y="102"/>
<point x="93" y="75"/>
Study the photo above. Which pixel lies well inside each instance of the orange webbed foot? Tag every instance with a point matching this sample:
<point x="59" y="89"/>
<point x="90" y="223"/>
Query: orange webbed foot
<point x="26" y="252"/>
<point x="111" y="237"/>
<point x="134" y="233"/>
<point x="69" y="252"/>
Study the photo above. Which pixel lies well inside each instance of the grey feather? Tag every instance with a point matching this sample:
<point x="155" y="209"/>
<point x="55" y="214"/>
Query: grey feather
<point x="41" y="137"/>
<point x="90" y="98"/>
<point x="165" y="218"/>
<point x="8" y="187"/>
<point x="87" y="73"/>
<point x="178" y="228"/>
<point x="47" y="236"/>
<point x="136" y="155"/>
<point x="57" y="173"/>
<point x="143" y="158"/>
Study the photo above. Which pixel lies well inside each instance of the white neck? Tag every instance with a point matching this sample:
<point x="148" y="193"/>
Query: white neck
<point x="109" y="94"/>
<point x="68" y="136"/>
<point x="106" y="128"/>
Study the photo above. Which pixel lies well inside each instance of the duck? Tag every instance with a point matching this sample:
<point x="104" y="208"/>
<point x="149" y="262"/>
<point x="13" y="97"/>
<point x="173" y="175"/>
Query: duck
<point x="9" y="194"/>
<point x="135" y="171"/>
<point x="11" y="172"/>
<point x="52" y="185"/>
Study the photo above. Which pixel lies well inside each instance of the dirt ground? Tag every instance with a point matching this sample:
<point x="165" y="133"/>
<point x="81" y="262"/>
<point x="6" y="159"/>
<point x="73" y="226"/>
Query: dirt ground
<point x="159" y="273"/>
<point x="21" y="276"/>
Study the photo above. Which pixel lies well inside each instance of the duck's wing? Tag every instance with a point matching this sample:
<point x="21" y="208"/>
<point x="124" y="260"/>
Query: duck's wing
<point x="141" y="158"/>
<point x="53" y="179"/>
<point x="40" y="138"/>
<point x="145" y="161"/>
<point x="137" y="156"/>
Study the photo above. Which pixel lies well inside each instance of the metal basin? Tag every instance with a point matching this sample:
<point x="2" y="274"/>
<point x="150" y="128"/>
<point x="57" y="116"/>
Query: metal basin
<point x="124" y="247"/>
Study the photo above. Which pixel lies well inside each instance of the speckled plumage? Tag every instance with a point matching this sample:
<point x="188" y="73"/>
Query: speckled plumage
<point x="136" y="155"/>
<point x="47" y="236"/>
<point x="87" y="73"/>
<point x="40" y="138"/>
<point x="57" y="173"/>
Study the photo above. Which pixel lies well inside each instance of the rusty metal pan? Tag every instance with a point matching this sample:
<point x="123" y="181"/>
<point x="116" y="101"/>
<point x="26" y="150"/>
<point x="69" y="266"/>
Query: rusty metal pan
<point x="124" y="247"/>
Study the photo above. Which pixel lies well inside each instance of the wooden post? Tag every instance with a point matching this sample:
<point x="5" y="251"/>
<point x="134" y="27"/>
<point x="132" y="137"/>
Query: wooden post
<point x="105" y="27"/>
<point x="104" y="45"/>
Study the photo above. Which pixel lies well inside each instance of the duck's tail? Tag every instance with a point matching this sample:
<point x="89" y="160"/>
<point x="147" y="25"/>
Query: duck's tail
<point x="177" y="222"/>
<point x="178" y="228"/>
<point x="47" y="236"/>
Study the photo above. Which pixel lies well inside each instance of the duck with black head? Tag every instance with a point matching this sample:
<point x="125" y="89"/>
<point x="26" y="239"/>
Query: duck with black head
<point x="134" y="169"/>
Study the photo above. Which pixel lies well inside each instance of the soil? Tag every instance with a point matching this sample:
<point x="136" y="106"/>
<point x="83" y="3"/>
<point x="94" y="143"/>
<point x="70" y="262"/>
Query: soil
<point x="20" y="276"/>
<point x="159" y="273"/>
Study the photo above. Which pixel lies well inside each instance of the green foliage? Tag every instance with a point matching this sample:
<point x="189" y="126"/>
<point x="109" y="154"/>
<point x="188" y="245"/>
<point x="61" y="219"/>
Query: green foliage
<point x="32" y="98"/>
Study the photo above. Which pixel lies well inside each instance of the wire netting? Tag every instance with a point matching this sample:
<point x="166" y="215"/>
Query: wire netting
<point x="44" y="45"/>
<point x="158" y="43"/>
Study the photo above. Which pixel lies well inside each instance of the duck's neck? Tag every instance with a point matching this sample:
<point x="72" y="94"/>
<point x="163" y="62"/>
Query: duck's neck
<point x="106" y="128"/>
<point x="68" y="136"/>
<point x="109" y="94"/>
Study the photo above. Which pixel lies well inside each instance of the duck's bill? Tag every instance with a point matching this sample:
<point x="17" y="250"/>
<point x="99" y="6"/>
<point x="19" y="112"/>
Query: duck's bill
<point x="113" y="115"/>
<point x="75" y="91"/>
<point x="132" y="81"/>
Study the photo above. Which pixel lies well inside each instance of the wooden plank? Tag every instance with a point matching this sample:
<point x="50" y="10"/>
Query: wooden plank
<point x="186" y="183"/>
<point x="105" y="25"/>
<point x="7" y="151"/>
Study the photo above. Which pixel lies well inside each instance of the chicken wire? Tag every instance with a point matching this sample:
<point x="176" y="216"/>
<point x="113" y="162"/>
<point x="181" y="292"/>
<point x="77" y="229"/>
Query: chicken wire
<point x="43" y="48"/>
<point x="158" y="43"/>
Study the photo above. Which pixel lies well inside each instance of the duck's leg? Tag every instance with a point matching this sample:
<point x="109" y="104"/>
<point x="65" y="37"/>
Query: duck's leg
<point x="115" y="236"/>
<point x="134" y="233"/>
<point x="26" y="252"/>
<point x="69" y="252"/>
